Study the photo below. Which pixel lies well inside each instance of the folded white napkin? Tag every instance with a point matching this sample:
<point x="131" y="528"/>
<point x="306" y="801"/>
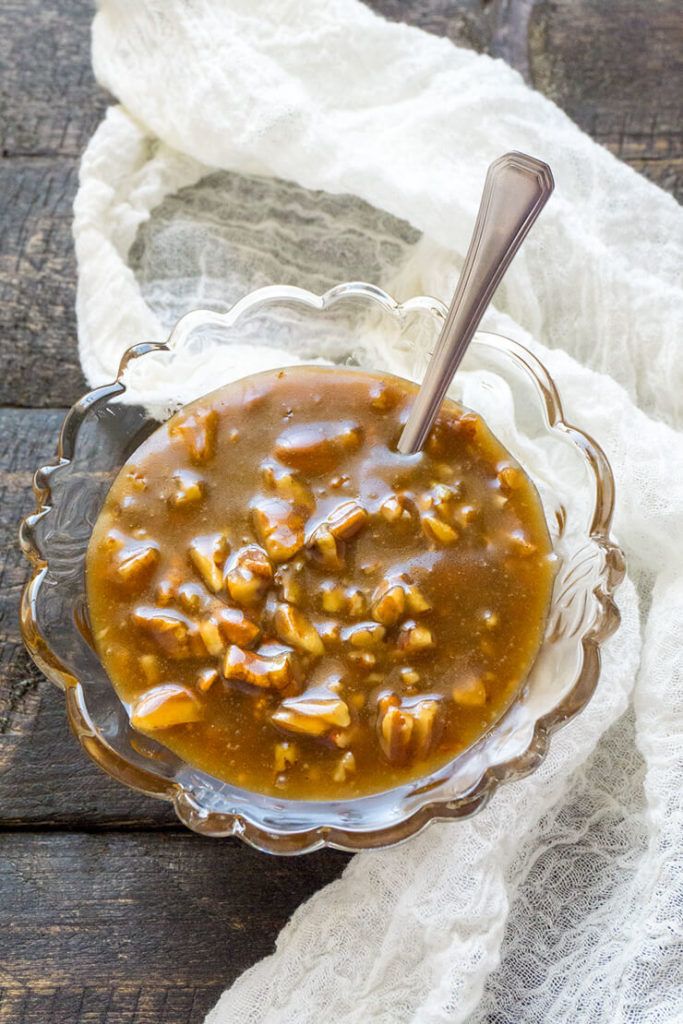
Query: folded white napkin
<point x="563" y="900"/>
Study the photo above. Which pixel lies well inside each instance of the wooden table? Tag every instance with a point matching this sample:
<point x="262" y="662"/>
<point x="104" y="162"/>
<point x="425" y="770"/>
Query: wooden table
<point x="111" y="913"/>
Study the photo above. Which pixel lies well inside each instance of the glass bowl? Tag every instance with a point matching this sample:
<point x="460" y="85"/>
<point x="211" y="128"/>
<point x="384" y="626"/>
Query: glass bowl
<point x="501" y="380"/>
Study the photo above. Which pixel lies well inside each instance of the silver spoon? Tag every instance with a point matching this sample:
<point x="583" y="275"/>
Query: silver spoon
<point x="517" y="188"/>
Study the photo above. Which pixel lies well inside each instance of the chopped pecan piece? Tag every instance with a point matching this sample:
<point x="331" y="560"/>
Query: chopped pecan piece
<point x="466" y="514"/>
<point x="316" y="448"/>
<point x="166" y="589"/>
<point x="356" y="605"/>
<point x="370" y="568"/>
<point x="206" y="678"/>
<point x="164" y="707"/>
<point x="392" y="509"/>
<point x="291" y="588"/>
<point x="364" y="660"/>
<point x="409" y="677"/>
<point x="329" y="632"/>
<point x="296" y="629"/>
<point x="406" y="732"/>
<point x="236" y="627"/>
<point x="447" y="431"/>
<point x="332" y="598"/>
<point x="211" y="635"/>
<point x="436" y="529"/>
<point x="208" y="554"/>
<point x="395" y="726"/>
<point x="151" y="668"/>
<point x="289" y="487"/>
<point x="135" y="562"/>
<point x="286" y="755"/>
<point x="425" y="730"/>
<point x="326" y="547"/>
<point x="336" y="600"/>
<point x="364" y="635"/>
<point x="197" y="430"/>
<point x="388" y="603"/>
<point x="346" y="520"/>
<point x="267" y="671"/>
<point x="192" y="598"/>
<point x="176" y="635"/>
<point x="416" y="601"/>
<point x="343" y="738"/>
<point x="189" y="488"/>
<point x="520" y="544"/>
<point x="312" y="716"/>
<point x="469" y="424"/>
<point x="470" y="692"/>
<point x="279" y="528"/>
<point x="165" y="592"/>
<point x="249" y="575"/>
<point x="138" y="481"/>
<point x="383" y="397"/>
<point x="254" y="560"/>
<point x="442" y="471"/>
<point x="413" y="638"/>
<point x="345" y="766"/>
<point x="444" y="500"/>
<point x="509" y="477"/>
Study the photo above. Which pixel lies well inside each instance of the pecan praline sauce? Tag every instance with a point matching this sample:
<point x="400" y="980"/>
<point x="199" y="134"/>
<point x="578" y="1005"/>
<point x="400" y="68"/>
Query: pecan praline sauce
<point x="286" y="602"/>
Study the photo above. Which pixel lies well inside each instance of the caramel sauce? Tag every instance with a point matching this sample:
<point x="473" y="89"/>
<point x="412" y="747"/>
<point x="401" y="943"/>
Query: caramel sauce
<point x="289" y="604"/>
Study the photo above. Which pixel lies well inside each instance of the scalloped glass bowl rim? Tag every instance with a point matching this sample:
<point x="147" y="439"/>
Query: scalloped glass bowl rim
<point x="239" y="824"/>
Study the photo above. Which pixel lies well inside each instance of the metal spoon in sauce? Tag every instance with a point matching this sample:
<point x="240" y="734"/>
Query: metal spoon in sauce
<point x="517" y="188"/>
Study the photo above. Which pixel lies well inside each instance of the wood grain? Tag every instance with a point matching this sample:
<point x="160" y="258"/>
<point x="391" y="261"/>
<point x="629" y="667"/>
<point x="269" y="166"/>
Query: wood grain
<point x="468" y="23"/>
<point x="37" y="283"/>
<point x="50" y="103"/>
<point x="107" y="1004"/>
<point x="617" y="69"/>
<point x="49" y="107"/>
<point x="169" y="914"/>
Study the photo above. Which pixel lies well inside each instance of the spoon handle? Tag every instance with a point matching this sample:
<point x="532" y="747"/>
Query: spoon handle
<point x="517" y="188"/>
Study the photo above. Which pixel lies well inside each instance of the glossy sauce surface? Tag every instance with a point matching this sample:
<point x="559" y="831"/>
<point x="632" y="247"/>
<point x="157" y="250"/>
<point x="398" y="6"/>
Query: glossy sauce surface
<point x="292" y="606"/>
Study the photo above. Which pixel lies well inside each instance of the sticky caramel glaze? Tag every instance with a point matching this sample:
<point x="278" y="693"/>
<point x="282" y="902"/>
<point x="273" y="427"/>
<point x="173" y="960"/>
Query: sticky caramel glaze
<point x="289" y="604"/>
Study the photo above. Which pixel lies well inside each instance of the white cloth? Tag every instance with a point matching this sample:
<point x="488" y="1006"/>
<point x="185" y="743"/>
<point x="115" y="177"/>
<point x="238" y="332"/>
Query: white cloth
<point x="563" y="899"/>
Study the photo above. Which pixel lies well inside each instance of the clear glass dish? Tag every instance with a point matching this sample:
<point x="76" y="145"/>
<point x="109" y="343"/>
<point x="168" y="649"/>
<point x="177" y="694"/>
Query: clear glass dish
<point x="501" y="380"/>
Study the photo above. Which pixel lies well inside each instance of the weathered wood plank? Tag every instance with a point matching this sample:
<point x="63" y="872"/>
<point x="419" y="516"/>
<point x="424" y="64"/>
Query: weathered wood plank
<point x="37" y="283"/>
<point x="100" y="916"/>
<point x="101" y="1004"/>
<point x="49" y="107"/>
<point x="468" y="23"/>
<point x="44" y="775"/>
<point x="50" y="103"/>
<point x="617" y="69"/>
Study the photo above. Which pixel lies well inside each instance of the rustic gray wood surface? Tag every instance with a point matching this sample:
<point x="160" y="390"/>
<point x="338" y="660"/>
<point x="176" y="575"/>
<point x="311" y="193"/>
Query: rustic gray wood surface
<point x="110" y="913"/>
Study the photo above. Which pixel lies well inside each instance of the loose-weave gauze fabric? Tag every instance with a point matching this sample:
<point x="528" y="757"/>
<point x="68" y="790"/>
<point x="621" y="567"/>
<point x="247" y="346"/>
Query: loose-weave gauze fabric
<point x="309" y="141"/>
